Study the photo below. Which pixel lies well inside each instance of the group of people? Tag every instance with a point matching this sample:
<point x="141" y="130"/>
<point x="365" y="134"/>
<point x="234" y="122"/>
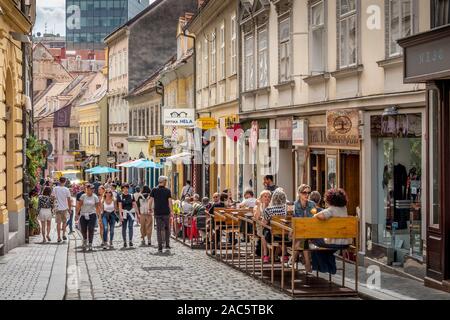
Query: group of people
<point x="273" y="201"/>
<point x="105" y="205"/>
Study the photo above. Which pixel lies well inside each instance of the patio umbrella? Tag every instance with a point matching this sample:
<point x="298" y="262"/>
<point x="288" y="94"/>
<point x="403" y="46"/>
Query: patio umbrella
<point x="93" y="169"/>
<point x="144" y="164"/>
<point x="103" y="170"/>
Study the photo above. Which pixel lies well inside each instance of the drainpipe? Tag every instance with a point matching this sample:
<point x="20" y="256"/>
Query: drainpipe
<point x="194" y="57"/>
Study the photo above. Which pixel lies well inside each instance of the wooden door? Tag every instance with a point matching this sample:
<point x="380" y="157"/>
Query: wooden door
<point x="350" y="180"/>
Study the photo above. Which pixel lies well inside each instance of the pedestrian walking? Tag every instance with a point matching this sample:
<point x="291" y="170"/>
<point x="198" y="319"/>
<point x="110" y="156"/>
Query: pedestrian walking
<point x="187" y="190"/>
<point x="63" y="207"/>
<point x="269" y="184"/>
<point x="128" y="213"/>
<point x="145" y="215"/>
<point x="108" y="208"/>
<point x="100" y="193"/>
<point x="161" y="198"/>
<point x="46" y="205"/>
<point x="88" y="208"/>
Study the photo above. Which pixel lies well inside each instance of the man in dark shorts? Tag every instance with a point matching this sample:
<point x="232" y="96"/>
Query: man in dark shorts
<point x="161" y="197"/>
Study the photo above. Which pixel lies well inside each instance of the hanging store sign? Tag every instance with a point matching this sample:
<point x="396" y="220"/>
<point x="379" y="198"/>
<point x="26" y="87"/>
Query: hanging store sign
<point x="284" y="127"/>
<point x="206" y="123"/>
<point x="162" y="152"/>
<point x="343" y="127"/>
<point x="179" y="117"/>
<point x="300" y="133"/>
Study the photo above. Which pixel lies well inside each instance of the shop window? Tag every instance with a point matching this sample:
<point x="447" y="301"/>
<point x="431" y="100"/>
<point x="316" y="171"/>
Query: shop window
<point x="399" y="184"/>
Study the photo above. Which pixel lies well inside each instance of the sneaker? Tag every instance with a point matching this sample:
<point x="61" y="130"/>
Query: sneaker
<point x="149" y="244"/>
<point x="131" y="244"/>
<point x="266" y="259"/>
<point x="48" y="239"/>
<point x="90" y="247"/>
<point x="168" y="247"/>
<point x="143" y="243"/>
<point x="159" y="250"/>
<point x="105" y="246"/>
<point x="84" y="245"/>
<point x="125" y="245"/>
<point x="59" y="240"/>
<point x="64" y="238"/>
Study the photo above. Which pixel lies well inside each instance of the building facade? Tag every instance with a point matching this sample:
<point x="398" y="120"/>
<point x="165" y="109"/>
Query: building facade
<point x="136" y="50"/>
<point x="323" y="103"/>
<point x="16" y="22"/>
<point x="88" y="22"/>
<point x="426" y="60"/>
<point x="217" y="91"/>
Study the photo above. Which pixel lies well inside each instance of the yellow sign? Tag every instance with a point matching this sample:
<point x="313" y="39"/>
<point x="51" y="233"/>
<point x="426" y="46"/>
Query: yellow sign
<point x="206" y="123"/>
<point x="153" y="143"/>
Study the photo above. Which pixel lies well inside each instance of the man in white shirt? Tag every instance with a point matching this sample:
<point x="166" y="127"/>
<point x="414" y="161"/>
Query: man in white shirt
<point x="63" y="207"/>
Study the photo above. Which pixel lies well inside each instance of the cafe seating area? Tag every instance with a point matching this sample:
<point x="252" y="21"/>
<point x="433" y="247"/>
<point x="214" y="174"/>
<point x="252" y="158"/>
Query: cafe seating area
<point x="189" y="230"/>
<point x="232" y="238"/>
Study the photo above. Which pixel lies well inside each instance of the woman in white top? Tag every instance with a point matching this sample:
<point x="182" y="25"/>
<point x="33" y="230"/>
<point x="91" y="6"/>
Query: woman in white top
<point x="261" y="204"/>
<point x="88" y="208"/>
<point x="108" y="208"/>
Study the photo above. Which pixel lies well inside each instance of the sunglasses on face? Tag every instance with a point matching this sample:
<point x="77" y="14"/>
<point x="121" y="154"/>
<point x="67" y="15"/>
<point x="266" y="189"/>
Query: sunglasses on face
<point x="307" y="193"/>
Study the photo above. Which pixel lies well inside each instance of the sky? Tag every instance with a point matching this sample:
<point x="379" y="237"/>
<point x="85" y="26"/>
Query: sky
<point x="51" y="12"/>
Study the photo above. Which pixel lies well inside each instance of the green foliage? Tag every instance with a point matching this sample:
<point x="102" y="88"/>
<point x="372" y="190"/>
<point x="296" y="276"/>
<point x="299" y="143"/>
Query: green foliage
<point x="35" y="159"/>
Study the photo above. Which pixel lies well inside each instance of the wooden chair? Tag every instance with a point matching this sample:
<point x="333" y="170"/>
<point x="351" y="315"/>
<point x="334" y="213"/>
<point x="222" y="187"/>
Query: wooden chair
<point x="277" y="229"/>
<point x="334" y="228"/>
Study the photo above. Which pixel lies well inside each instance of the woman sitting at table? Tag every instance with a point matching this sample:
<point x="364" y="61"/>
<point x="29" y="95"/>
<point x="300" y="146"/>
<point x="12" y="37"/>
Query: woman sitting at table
<point x="261" y="204"/>
<point x="277" y="207"/>
<point x="324" y="261"/>
<point x="303" y="208"/>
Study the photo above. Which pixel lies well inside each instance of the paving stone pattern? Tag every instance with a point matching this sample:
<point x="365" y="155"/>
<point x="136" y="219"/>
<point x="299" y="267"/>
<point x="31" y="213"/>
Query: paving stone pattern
<point x="142" y="273"/>
<point x="25" y="271"/>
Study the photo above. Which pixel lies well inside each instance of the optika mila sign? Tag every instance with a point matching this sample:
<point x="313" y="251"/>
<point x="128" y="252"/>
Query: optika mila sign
<point x="179" y="117"/>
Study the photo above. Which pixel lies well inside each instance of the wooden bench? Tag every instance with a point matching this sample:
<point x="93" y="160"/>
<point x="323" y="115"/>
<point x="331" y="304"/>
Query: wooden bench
<point x="312" y="228"/>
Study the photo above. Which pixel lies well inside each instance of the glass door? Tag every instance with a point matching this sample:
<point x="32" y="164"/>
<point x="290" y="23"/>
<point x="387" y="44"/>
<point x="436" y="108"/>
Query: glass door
<point x="400" y="192"/>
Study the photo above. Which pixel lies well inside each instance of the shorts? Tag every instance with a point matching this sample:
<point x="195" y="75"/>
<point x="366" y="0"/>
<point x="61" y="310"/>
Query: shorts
<point x="61" y="216"/>
<point x="45" y="214"/>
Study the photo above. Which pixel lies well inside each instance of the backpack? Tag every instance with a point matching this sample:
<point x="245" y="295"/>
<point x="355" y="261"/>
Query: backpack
<point x="143" y="204"/>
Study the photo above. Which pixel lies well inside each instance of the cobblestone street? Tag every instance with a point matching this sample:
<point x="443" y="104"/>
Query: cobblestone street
<point x="142" y="273"/>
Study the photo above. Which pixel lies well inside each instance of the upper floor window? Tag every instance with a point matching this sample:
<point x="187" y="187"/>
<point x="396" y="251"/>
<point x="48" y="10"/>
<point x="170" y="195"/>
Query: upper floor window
<point x="262" y="58"/>
<point x="347" y="33"/>
<point x="206" y="63"/>
<point x="213" y="58"/>
<point x="285" y="49"/>
<point x="317" y="36"/>
<point x="222" y="51"/>
<point x="233" y="45"/>
<point x="249" y="74"/>
<point x="400" y="23"/>
<point x="440" y="13"/>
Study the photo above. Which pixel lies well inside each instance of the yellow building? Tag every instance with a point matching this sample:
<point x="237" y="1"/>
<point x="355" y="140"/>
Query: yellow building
<point x="16" y="22"/>
<point x="93" y="124"/>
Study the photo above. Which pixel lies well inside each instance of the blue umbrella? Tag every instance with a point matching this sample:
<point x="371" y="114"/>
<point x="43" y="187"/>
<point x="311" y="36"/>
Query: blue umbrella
<point x="102" y="170"/>
<point x="144" y="164"/>
<point x="93" y="169"/>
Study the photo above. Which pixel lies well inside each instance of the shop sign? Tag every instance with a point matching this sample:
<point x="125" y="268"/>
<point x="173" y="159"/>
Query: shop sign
<point x="206" y="123"/>
<point x="284" y="127"/>
<point x="122" y="157"/>
<point x="317" y="136"/>
<point x="343" y="127"/>
<point x="111" y="160"/>
<point x="254" y="136"/>
<point x="429" y="59"/>
<point x="300" y="133"/>
<point x="396" y="126"/>
<point x="162" y="152"/>
<point x="179" y="117"/>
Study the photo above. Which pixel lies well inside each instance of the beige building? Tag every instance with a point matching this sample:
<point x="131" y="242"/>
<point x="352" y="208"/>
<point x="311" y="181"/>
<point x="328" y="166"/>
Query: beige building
<point x="16" y="21"/>
<point x="92" y="120"/>
<point x="46" y="69"/>
<point x="117" y="44"/>
<point x="323" y="83"/>
<point x="215" y="27"/>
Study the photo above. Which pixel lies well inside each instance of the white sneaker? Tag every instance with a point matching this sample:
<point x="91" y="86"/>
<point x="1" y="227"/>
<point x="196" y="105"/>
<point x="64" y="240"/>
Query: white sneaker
<point x="90" y="247"/>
